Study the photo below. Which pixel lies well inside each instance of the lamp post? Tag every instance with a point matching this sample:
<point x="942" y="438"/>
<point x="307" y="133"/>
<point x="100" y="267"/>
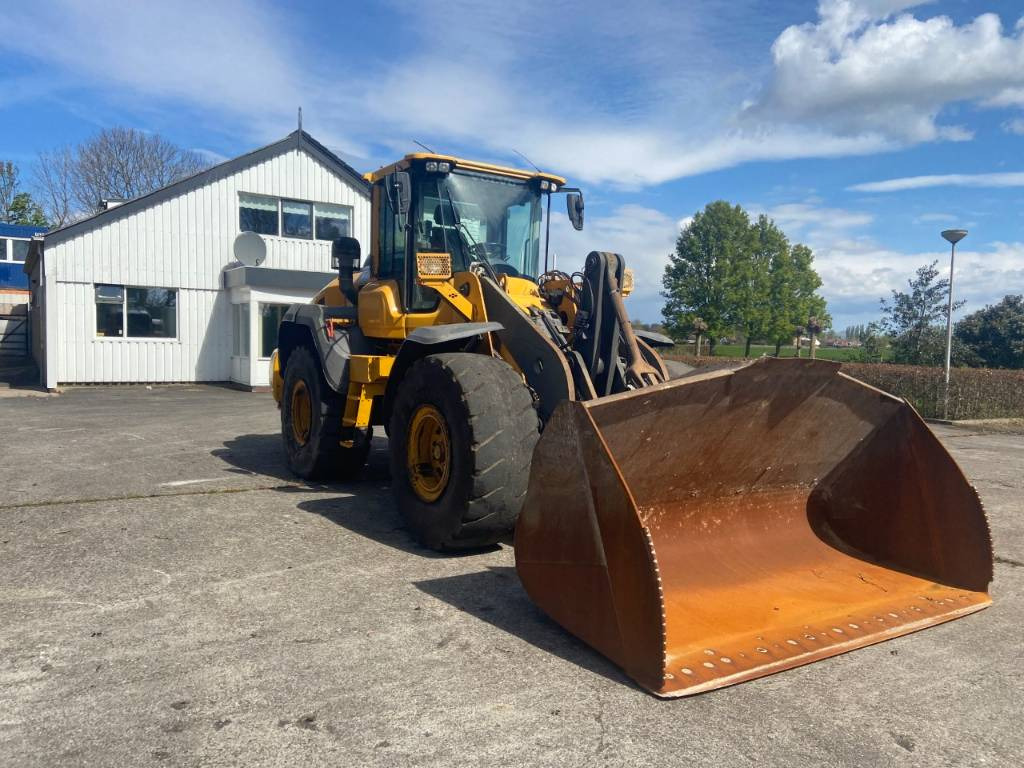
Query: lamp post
<point x="952" y="236"/>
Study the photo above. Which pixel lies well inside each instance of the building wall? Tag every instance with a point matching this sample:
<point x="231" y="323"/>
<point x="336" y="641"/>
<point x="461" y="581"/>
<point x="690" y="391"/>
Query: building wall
<point x="184" y="243"/>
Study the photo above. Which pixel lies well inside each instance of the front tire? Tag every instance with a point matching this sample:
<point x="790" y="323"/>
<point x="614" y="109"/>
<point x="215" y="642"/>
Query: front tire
<point x="462" y="431"/>
<point x="311" y="414"/>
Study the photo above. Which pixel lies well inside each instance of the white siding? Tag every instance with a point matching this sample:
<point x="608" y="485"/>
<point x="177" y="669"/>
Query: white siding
<point x="183" y="242"/>
<point x="201" y="351"/>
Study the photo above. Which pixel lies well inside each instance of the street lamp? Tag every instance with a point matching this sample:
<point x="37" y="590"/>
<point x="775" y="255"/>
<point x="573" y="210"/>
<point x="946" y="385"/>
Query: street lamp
<point x="952" y="236"/>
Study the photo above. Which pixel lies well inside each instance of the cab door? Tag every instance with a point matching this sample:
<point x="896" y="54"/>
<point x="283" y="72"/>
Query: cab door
<point x="382" y="300"/>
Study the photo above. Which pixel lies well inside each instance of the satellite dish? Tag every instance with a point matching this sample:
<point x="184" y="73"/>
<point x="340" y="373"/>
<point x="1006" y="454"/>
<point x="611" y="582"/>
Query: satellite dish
<point x="250" y="249"/>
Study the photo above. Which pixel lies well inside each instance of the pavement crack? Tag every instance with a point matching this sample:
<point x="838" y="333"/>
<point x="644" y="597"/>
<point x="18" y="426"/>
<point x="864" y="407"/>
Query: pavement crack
<point x="137" y="496"/>
<point x="1008" y="561"/>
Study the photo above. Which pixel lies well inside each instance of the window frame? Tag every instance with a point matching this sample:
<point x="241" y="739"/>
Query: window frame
<point x="312" y="218"/>
<point x="277" y="203"/>
<point x="301" y="201"/>
<point x="260" y="305"/>
<point x="124" y="313"/>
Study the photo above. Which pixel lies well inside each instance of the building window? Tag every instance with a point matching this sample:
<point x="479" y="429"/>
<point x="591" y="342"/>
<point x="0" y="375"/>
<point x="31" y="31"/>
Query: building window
<point x="19" y="250"/>
<point x="270" y="321"/>
<point x="3" y="249"/>
<point x="257" y="213"/>
<point x="332" y="221"/>
<point x="240" y="327"/>
<point x="296" y="219"/>
<point x="145" y="313"/>
<point x="293" y="218"/>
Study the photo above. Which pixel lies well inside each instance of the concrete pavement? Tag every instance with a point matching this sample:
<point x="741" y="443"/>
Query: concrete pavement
<point x="171" y="596"/>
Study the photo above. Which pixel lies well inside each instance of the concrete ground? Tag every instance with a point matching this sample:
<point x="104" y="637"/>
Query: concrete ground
<point x="170" y="595"/>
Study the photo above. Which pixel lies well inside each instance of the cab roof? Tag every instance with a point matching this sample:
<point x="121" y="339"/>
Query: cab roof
<point x="458" y="162"/>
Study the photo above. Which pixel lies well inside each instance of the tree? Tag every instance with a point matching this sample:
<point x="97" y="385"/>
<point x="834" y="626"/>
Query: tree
<point x="54" y="171"/>
<point x="26" y="211"/>
<point x="793" y="297"/>
<point x="707" y="270"/>
<point x="912" y="319"/>
<point x="8" y="186"/>
<point x="995" y="334"/>
<point x="754" y="286"/>
<point x="17" y="206"/>
<point x="117" y="163"/>
<point x="872" y="343"/>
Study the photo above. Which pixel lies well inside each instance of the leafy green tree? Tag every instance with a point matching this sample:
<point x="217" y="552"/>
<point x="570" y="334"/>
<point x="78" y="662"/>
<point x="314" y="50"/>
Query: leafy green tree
<point x="708" y="275"/>
<point x="756" y="309"/>
<point x="793" y="297"/>
<point x="995" y="334"/>
<point x="26" y="211"/>
<point x="912" y="319"/>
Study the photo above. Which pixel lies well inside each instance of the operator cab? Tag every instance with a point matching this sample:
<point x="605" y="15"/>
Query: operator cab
<point x="479" y="214"/>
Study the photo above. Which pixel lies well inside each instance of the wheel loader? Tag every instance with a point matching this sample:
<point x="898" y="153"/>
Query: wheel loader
<point x="698" y="531"/>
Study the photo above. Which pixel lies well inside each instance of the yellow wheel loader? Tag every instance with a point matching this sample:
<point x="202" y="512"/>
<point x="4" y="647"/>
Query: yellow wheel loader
<point x="699" y="531"/>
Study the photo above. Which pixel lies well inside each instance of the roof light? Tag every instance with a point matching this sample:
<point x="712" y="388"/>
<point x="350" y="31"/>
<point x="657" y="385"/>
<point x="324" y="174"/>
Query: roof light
<point x="444" y="167"/>
<point x="554" y="187"/>
<point x="545" y="184"/>
<point x="431" y="166"/>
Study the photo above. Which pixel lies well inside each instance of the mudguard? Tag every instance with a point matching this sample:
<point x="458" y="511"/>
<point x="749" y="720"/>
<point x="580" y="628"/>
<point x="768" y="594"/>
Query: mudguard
<point x="305" y="323"/>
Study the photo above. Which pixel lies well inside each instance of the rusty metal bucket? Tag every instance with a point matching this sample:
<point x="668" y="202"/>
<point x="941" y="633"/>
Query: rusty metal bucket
<point x="726" y="526"/>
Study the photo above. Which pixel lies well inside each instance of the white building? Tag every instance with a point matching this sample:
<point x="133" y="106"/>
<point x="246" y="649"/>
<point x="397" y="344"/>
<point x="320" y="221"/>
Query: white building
<point x="149" y="290"/>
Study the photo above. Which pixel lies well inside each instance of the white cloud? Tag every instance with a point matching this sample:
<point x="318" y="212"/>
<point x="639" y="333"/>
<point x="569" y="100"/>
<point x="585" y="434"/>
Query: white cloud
<point x="862" y="271"/>
<point x="661" y="101"/>
<point x="811" y="220"/>
<point x="1008" y="97"/>
<point x="857" y="270"/>
<point x="926" y="218"/>
<point x="1011" y="179"/>
<point x="1015" y="125"/>
<point x="859" y="70"/>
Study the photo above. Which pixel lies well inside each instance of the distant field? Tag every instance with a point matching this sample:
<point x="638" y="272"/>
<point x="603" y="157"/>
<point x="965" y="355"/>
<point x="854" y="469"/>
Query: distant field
<point x="756" y="350"/>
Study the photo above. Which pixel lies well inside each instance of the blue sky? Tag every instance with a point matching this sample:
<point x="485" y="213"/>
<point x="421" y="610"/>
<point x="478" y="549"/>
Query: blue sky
<point x="864" y="127"/>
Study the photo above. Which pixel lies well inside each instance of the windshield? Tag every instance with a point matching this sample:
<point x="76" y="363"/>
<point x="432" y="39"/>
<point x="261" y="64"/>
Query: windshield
<point x="481" y="218"/>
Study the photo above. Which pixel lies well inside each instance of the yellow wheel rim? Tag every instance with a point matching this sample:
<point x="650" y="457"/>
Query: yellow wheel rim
<point x="428" y="455"/>
<point x="302" y="412"/>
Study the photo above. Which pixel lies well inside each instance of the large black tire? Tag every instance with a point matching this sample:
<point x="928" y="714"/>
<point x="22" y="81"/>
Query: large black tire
<point x="492" y="428"/>
<point x="320" y="456"/>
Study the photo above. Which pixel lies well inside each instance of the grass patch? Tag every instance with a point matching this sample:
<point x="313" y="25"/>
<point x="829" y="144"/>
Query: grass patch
<point x="842" y="354"/>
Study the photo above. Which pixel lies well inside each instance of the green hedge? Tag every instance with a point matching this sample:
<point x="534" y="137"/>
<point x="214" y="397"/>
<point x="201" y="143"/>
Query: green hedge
<point x="974" y="393"/>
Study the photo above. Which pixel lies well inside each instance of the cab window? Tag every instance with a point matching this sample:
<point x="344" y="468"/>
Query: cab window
<point x="391" y="240"/>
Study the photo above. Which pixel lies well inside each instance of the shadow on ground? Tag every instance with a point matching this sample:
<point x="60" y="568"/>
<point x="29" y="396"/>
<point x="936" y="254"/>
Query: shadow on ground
<point x="255" y="455"/>
<point x="366" y="508"/>
<point x="497" y="597"/>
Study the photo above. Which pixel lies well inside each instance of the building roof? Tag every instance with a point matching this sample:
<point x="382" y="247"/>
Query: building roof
<point x="17" y="230"/>
<point x="294" y="140"/>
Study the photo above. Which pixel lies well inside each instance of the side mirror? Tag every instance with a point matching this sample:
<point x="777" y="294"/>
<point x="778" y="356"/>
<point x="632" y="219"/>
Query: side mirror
<point x="345" y="253"/>
<point x="574" y="205"/>
<point x="401" y="188"/>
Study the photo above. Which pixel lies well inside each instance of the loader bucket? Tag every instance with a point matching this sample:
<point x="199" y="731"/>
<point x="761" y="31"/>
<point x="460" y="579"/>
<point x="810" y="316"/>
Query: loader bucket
<point x="729" y="525"/>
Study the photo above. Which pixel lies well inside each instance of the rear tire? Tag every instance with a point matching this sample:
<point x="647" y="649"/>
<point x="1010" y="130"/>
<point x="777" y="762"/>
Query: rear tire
<point x="483" y="424"/>
<point x="312" y="441"/>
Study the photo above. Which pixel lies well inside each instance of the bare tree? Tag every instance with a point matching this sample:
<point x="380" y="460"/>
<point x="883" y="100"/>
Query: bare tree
<point x="53" y="173"/>
<point x="8" y="186"/>
<point x="117" y="163"/>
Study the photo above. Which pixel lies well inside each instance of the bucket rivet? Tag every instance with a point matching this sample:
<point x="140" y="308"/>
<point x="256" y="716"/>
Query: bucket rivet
<point x="792" y="642"/>
<point x="709" y="652"/>
<point x="855" y="626"/>
<point x="686" y="671"/>
<point x="726" y="660"/>
<point x="709" y="665"/>
<point x="759" y="649"/>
